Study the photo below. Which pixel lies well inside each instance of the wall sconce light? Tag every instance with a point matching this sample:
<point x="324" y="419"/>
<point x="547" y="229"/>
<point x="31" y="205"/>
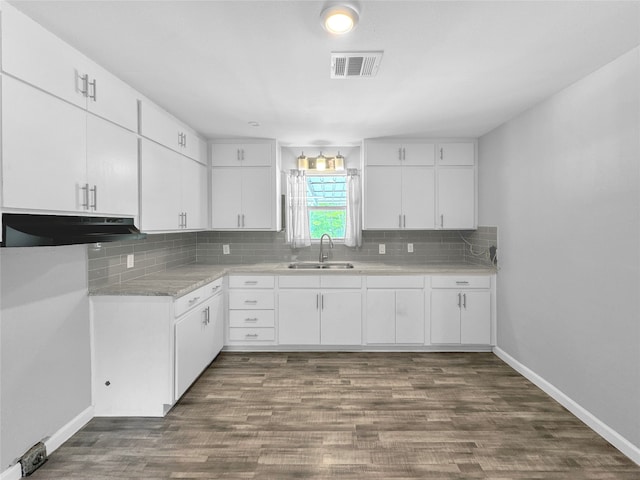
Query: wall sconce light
<point x="338" y="162"/>
<point x="303" y="162"/>
<point x="339" y="19"/>
<point x="321" y="162"/>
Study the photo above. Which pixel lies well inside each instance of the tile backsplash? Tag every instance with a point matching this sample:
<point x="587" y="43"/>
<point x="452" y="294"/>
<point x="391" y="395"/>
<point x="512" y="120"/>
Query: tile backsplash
<point x="108" y="262"/>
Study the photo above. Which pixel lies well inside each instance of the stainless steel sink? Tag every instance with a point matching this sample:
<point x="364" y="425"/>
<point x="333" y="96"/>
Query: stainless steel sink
<point x="321" y="266"/>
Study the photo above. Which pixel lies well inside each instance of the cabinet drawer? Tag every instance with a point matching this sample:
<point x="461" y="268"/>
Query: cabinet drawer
<point x="395" y="281"/>
<point x="251" y="318"/>
<point x="251" y="281"/>
<point x="299" y="281"/>
<point x="340" y="281"/>
<point x="251" y="300"/>
<point x="252" y="334"/>
<point x="463" y="281"/>
<point x="199" y="295"/>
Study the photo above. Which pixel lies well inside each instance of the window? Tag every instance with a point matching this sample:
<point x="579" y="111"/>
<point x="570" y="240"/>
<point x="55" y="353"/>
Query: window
<point x="327" y="205"/>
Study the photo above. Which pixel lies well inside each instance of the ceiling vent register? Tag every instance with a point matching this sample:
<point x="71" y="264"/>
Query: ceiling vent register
<point x="355" y="64"/>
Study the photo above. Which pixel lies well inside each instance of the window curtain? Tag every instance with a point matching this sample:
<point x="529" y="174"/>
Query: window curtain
<point x="353" y="230"/>
<point x="298" y="233"/>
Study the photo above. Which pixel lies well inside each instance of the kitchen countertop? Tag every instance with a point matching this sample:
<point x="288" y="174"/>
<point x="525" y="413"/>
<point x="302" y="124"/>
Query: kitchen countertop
<point x="179" y="281"/>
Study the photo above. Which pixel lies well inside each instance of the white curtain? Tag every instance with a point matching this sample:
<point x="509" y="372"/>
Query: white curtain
<point x="298" y="234"/>
<point x="353" y="232"/>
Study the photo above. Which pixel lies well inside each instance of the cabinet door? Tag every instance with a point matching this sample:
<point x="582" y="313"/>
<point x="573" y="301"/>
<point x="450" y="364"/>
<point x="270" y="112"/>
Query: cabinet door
<point x="112" y="168"/>
<point x="418" y="198"/>
<point x="418" y="154"/>
<point x="258" y="200"/>
<point x="43" y="150"/>
<point x="111" y="98"/>
<point x="445" y="316"/>
<point x="216" y="322"/>
<point x="38" y="57"/>
<point x="226" y="197"/>
<point x="383" y="198"/>
<point x="381" y="316"/>
<point x="299" y="317"/>
<point x="383" y="154"/>
<point x="161" y="185"/>
<point x="475" y="324"/>
<point x="159" y="126"/>
<point x="456" y="198"/>
<point x="456" y="154"/>
<point x="341" y="318"/>
<point x="410" y="316"/>
<point x="194" y="193"/>
<point x="241" y="154"/>
<point x="194" y="345"/>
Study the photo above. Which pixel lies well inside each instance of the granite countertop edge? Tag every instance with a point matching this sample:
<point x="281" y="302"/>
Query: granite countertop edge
<point x="179" y="281"/>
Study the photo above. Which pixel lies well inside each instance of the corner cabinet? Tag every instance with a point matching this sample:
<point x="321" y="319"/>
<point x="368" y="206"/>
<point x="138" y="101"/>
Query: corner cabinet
<point x="419" y="185"/>
<point x="245" y="186"/>
<point x="148" y="350"/>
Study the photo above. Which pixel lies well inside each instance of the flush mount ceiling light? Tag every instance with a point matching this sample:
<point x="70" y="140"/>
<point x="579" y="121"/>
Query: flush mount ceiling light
<point x="339" y="19"/>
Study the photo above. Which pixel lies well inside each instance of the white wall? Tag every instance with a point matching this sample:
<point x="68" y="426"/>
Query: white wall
<point x="562" y="184"/>
<point x="45" y="358"/>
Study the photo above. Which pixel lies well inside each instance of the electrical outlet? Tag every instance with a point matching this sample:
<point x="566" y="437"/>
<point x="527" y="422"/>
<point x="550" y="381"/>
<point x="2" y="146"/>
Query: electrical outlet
<point x="130" y="260"/>
<point x="382" y="249"/>
<point x="410" y="247"/>
<point x="225" y="250"/>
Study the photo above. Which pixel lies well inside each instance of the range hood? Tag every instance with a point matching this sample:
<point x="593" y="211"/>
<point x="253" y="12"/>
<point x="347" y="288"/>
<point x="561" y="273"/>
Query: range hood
<point x="22" y="230"/>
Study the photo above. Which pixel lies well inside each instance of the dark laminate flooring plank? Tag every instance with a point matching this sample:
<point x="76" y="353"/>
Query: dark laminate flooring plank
<point x="391" y="416"/>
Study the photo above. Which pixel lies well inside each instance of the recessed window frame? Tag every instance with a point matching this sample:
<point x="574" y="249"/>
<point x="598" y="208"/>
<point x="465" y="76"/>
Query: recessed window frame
<point x="310" y="208"/>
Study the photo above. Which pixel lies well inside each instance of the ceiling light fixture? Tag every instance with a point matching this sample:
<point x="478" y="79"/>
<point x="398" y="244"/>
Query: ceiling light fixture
<point x="339" y="19"/>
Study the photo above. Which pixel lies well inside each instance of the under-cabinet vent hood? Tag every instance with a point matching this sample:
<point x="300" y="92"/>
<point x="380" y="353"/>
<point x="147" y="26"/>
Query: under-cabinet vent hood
<point x="22" y="230"/>
<point x="355" y="64"/>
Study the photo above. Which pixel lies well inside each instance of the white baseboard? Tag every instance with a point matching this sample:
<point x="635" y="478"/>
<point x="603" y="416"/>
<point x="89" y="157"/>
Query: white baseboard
<point x="605" y="431"/>
<point x="53" y="442"/>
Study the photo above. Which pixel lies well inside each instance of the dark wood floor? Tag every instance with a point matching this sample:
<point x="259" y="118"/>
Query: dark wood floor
<point x="354" y="416"/>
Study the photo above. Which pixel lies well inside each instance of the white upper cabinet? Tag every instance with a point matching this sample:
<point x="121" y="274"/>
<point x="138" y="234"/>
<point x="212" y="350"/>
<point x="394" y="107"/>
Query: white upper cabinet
<point x="36" y="56"/>
<point x="456" y="198"/>
<point x="79" y="163"/>
<point x="462" y="154"/>
<point x="241" y="154"/>
<point x="173" y="190"/>
<point x="159" y="126"/>
<point x="399" y="153"/>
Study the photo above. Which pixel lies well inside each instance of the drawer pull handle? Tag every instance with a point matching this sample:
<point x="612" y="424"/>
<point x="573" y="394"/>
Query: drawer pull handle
<point x="251" y="335"/>
<point x="462" y="282"/>
<point x="251" y="282"/>
<point x="251" y="302"/>
<point x="193" y="300"/>
<point x="250" y="319"/>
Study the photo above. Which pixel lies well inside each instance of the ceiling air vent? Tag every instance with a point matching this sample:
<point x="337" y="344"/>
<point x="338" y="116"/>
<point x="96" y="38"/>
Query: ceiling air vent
<point x="355" y="64"/>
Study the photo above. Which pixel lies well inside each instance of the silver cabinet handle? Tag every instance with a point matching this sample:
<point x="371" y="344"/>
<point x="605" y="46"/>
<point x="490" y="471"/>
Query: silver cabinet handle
<point x="185" y="220"/>
<point x="206" y="316"/>
<point x="250" y="302"/>
<point x="317" y="301"/>
<point x="193" y="300"/>
<point x="399" y="221"/>
<point x="242" y="155"/>
<point x="180" y="222"/>
<point x="243" y="216"/>
<point x="462" y="282"/>
<point x="321" y="302"/>
<point x="441" y="221"/>
<point x="404" y="153"/>
<point x="84" y="90"/>
<point x="184" y="140"/>
<point x="215" y="289"/>
<point x="459" y="300"/>
<point x="238" y="220"/>
<point x="94" y="190"/>
<point x="85" y="195"/>
<point x="238" y="154"/>
<point x="404" y="221"/>
<point x="94" y="84"/>
<point x="464" y="300"/>
<point x="400" y="153"/>
<point x="250" y="319"/>
<point x="251" y="335"/>
<point x="250" y="282"/>
<point x="441" y="154"/>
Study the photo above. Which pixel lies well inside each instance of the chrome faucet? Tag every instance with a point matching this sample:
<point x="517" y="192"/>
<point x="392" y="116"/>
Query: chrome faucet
<point x="324" y="256"/>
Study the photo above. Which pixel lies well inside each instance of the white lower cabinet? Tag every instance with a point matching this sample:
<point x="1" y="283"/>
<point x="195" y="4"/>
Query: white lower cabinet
<point x="251" y="310"/>
<point x="395" y="310"/>
<point x="461" y="310"/>
<point x="147" y="350"/>
<point x="319" y="310"/>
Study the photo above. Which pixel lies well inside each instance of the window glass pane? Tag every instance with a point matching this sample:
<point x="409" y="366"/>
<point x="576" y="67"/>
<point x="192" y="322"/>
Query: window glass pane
<point x="327" y="202"/>
<point x="327" y="221"/>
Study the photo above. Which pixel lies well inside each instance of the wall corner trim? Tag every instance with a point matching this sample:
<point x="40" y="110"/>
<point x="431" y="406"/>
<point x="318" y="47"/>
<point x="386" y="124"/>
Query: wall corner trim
<point x="605" y="431"/>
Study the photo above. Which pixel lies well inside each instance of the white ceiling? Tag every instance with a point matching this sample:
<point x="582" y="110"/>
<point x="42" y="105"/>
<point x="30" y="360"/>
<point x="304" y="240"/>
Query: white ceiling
<point x="454" y="69"/>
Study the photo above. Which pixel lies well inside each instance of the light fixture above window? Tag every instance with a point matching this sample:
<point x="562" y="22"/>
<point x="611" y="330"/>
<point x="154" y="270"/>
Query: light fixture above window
<point x="321" y="162"/>
<point x="339" y="19"/>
